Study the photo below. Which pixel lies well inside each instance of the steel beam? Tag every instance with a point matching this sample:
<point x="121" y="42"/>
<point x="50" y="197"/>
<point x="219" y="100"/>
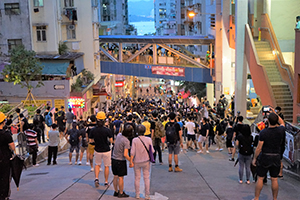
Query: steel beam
<point x="138" y="53"/>
<point x="108" y="55"/>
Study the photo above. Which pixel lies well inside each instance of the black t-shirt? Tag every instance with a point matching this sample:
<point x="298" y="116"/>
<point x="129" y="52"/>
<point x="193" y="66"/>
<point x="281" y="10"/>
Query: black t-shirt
<point x="5" y="152"/>
<point x="220" y="129"/>
<point x="238" y="128"/>
<point x="204" y="128"/>
<point x="89" y="128"/>
<point x="101" y="136"/>
<point x="229" y="132"/>
<point x="177" y="127"/>
<point x="245" y="144"/>
<point x="274" y="139"/>
<point x="60" y="118"/>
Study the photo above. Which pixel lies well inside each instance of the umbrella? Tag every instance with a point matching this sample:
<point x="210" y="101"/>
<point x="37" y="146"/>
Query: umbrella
<point x="17" y="165"/>
<point x="236" y="162"/>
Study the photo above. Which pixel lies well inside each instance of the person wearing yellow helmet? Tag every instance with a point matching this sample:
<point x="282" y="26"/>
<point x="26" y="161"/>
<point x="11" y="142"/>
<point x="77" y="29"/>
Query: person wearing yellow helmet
<point x="6" y="147"/>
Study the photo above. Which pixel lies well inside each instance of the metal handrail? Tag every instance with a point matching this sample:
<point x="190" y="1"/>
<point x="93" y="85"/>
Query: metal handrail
<point x="278" y="56"/>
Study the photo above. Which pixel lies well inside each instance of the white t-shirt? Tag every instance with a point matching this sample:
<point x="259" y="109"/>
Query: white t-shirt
<point x="190" y="128"/>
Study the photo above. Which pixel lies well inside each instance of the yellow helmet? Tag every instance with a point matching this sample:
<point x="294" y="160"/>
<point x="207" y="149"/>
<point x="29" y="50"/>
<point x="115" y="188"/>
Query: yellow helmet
<point x="207" y="52"/>
<point x="101" y="115"/>
<point x="2" y="117"/>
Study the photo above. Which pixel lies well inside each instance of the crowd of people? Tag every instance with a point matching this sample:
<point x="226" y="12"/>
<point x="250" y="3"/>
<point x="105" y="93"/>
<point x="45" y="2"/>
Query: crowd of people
<point x="139" y="130"/>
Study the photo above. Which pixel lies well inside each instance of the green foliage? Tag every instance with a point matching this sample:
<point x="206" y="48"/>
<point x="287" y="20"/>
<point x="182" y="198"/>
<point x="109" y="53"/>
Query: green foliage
<point x="77" y="86"/>
<point x="87" y="75"/>
<point x="23" y="69"/>
<point x="5" y="108"/>
<point x="198" y="89"/>
<point x="62" y="48"/>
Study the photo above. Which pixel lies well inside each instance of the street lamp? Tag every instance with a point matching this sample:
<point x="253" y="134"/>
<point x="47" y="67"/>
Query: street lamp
<point x="191" y="14"/>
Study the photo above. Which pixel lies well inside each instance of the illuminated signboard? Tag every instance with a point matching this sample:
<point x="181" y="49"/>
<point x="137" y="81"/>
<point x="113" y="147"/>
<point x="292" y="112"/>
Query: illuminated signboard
<point x="169" y="71"/>
<point x="76" y="102"/>
<point x="119" y="84"/>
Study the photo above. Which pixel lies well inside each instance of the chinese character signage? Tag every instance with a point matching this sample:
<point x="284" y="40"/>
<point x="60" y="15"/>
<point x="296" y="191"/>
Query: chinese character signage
<point x="169" y="71"/>
<point x="76" y="102"/>
<point x="119" y="84"/>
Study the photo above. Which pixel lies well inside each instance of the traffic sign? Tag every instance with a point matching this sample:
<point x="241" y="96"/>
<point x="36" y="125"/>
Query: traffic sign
<point x="59" y="87"/>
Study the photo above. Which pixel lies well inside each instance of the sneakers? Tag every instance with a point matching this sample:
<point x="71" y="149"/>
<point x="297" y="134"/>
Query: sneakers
<point x="137" y="196"/>
<point x="96" y="183"/>
<point x="79" y="163"/>
<point x="36" y="165"/>
<point x="217" y="149"/>
<point x="75" y="162"/>
<point x="221" y="149"/>
<point x="106" y="184"/>
<point x="207" y="151"/>
<point x="177" y="169"/>
<point x="54" y="163"/>
<point x="87" y="163"/>
<point x="161" y="163"/>
<point x="48" y="163"/>
<point x="170" y="169"/>
<point x="123" y="195"/>
<point x="70" y="163"/>
<point x="92" y="169"/>
<point x="116" y="194"/>
<point x="231" y="159"/>
<point x="248" y="182"/>
<point x="241" y="181"/>
<point x="200" y="151"/>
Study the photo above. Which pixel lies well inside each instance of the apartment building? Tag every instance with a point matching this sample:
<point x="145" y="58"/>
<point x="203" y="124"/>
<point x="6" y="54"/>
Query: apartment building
<point x="113" y="17"/>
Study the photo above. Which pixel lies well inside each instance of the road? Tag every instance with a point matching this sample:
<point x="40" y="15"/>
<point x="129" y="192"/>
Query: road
<point x="206" y="176"/>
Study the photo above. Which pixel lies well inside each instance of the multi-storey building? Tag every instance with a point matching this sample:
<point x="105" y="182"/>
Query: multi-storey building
<point x="113" y="17"/>
<point x="45" y="26"/>
<point x="165" y="17"/>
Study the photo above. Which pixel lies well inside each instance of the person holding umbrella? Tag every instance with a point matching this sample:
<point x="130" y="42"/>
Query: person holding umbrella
<point x="6" y="147"/>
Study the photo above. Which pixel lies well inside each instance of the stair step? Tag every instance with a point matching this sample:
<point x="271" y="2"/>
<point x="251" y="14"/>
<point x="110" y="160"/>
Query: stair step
<point x="283" y="97"/>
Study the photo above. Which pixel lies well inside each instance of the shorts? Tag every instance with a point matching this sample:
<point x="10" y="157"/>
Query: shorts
<point x="82" y="149"/>
<point x="262" y="171"/>
<point x="76" y="148"/>
<point x="119" y="167"/>
<point x="61" y="129"/>
<point x="174" y="148"/>
<point x="91" y="149"/>
<point x="229" y="144"/>
<point x="105" y="156"/>
<point x="202" y="139"/>
<point x="191" y="137"/>
<point x="69" y="126"/>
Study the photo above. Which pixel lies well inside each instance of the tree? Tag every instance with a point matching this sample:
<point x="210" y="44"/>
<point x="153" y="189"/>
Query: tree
<point x="198" y="89"/>
<point x="24" y="68"/>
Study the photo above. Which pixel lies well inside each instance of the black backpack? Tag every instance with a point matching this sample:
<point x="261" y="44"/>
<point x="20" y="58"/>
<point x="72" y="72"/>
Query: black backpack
<point x="73" y="137"/>
<point x="171" y="134"/>
<point x="245" y="145"/>
<point x="37" y="121"/>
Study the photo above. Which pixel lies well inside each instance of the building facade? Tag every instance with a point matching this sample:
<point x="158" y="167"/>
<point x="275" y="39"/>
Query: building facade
<point x="165" y="17"/>
<point x="113" y="17"/>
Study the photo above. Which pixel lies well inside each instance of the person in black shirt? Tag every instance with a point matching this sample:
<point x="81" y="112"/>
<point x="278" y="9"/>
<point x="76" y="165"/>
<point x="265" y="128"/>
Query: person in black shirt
<point x="204" y="132"/>
<point x="101" y="136"/>
<point x="91" y="145"/>
<point x="270" y="146"/>
<point x="60" y="121"/>
<point x="237" y="129"/>
<point x="229" y="136"/>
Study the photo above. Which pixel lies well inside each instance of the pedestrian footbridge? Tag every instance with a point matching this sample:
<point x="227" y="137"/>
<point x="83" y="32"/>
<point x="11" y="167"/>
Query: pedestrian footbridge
<point x="165" y="57"/>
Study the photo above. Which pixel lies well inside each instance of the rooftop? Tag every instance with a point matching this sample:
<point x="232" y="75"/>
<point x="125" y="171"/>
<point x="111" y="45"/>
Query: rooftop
<point x="67" y="56"/>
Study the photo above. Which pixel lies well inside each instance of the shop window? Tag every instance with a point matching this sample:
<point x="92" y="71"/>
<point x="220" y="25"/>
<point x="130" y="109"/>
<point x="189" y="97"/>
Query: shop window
<point x="38" y="3"/>
<point x="12" y="43"/>
<point x="12" y="8"/>
<point x="41" y="33"/>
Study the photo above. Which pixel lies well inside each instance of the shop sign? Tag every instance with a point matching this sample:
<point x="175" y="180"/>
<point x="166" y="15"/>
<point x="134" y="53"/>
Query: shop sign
<point x="38" y="102"/>
<point x="76" y="102"/>
<point x="119" y="84"/>
<point x="168" y="71"/>
<point x="58" y="103"/>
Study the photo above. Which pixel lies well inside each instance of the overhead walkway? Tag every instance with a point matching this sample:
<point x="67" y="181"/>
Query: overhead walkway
<point x="155" y="57"/>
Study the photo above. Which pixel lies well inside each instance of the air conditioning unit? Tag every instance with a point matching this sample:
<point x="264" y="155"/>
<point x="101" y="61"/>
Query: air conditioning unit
<point x="71" y="27"/>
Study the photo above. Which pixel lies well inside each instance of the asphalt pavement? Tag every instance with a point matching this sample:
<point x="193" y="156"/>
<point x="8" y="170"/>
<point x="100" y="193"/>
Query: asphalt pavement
<point x="205" y="176"/>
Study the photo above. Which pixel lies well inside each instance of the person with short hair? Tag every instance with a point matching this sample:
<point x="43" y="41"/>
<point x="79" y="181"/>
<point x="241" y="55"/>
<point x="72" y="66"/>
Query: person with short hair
<point x="237" y="129"/>
<point x="91" y="145"/>
<point x="69" y="119"/>
<point x="60" y="121"/>
<point x="102" y="137"/>
<point x="47" y="128"/>
<point x="53" y="144"/>
<point x="74" y="141"/>
<point x="298" y="22"/>
<point x="173" y="146"/>
<point x="140" y="159"/>
<point x="191" y="135"/>
<point x="39" y="126"/>
<point x="32" y="143"/>
<point x="119" y="157"/>
<point x="203" y="138"/>
<point x="267" y="156"/>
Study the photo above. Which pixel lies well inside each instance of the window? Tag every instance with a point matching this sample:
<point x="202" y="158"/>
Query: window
<point x="12" y="8"/>
<point x="38" y="3"/>
<point x="13" y="43"/>
<point x="41" y="33"/>
<point x="71" y="32"/>
<point x="94" y="3"/>
<point x="69" y="3"/>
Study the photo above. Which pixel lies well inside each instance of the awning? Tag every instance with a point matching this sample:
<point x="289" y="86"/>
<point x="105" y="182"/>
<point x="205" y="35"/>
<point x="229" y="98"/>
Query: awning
<point x="55" y="68"/>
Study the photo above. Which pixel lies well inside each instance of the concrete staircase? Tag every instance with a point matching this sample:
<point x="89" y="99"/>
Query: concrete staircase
<point x="281" y="90"/>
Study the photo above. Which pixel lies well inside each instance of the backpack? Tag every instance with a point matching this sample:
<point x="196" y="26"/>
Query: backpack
<point x="48" y="119"/>
<point x="171" y="134"/>
<point x="26" y="125"/>
<point x="246" y="145"/>
<point x="37" y="121"/>
<point x="73" y="137"/>
<point x="159" y="130"/>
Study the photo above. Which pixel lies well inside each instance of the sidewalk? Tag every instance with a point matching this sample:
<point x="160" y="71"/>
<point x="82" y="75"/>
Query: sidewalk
<point x="212" y="176"/>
